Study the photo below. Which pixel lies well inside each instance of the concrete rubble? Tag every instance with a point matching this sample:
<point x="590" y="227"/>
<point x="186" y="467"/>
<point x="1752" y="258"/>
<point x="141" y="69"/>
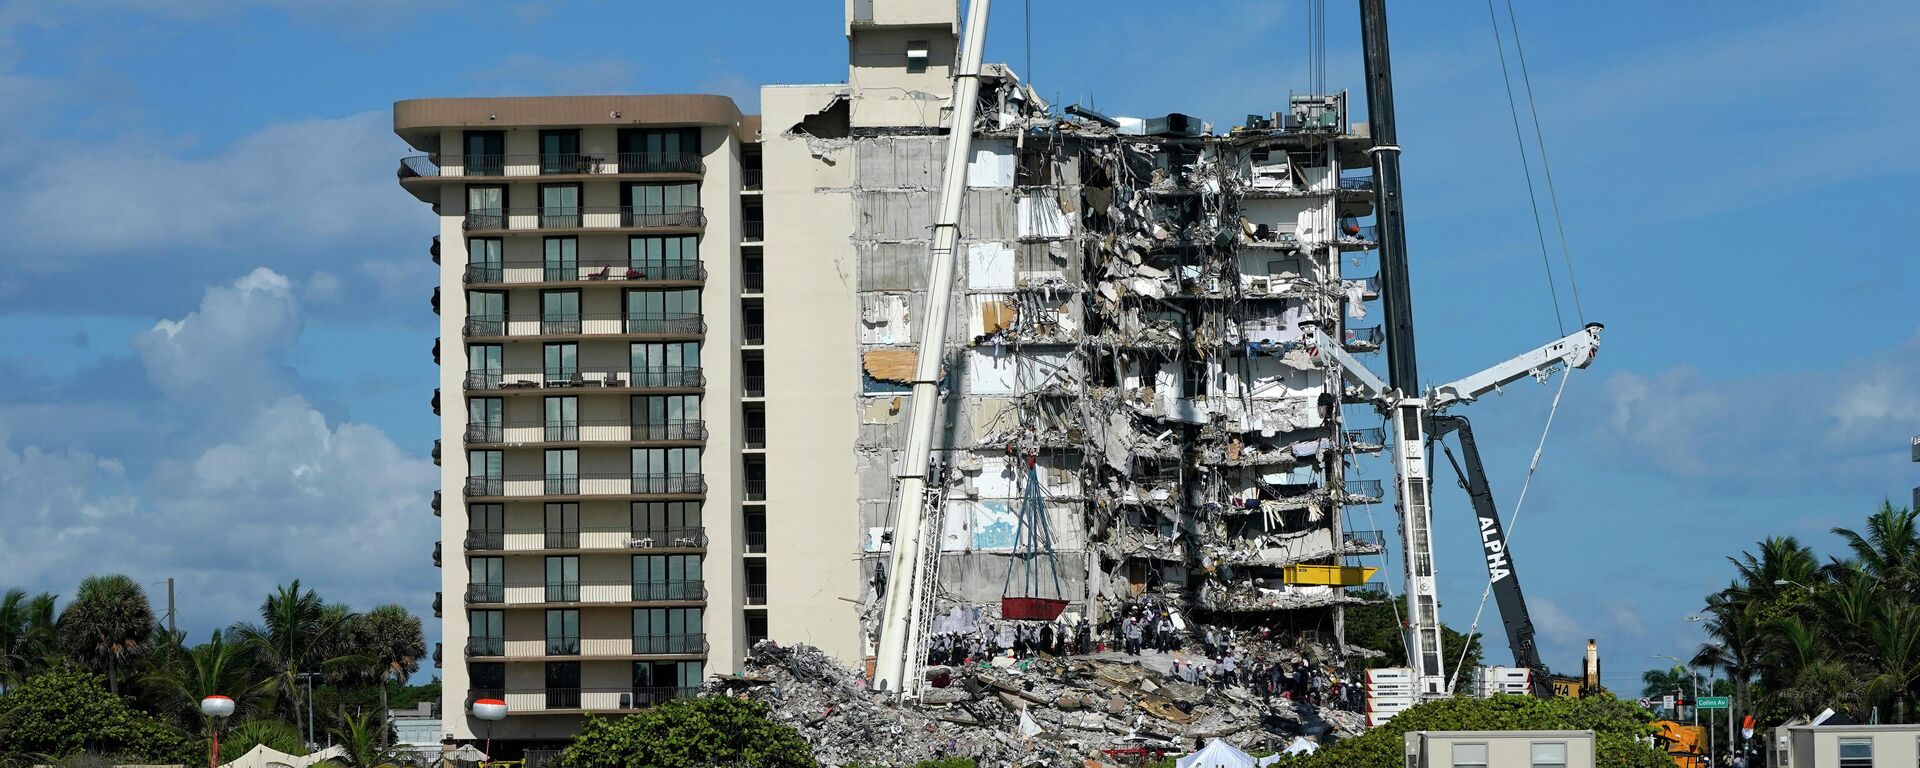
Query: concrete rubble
<point x="1041" y="711"/>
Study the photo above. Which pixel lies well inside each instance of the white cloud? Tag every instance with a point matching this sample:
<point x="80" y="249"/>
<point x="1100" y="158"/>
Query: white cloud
<point x="230" y="344"/>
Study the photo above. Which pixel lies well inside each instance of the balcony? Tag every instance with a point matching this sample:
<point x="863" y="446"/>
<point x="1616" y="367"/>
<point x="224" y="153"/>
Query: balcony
<point x="752" y="179"/>
<point x="585" y="431"/>
<point x="576" y="378"/>
<point x="1363" y="491"/>
<point x="753" y="334"/>
<point x="756" y="542"/>
<point x="753" y="230"/>
<point x="756" y="437"/>
<point x="1355" y="236"/>
<point x="756" y="488"/>
<point x="1363" y="339"/>
<point x="753" y="281"/>
<point x="669" y="645"/>
<point x="540" y="593"/>
<point x="531" y="272"/>
<point x="486" y="646"/>
<point x="753" y="386"/>
<point x="536" y="486"/>
<point x="438" y="166"/>
<point x="591" y="324"/>
<point x="576" y="218"/>
<point x="1357" y="183"/>
<point x="605" y="539"/>
<point x="756" y="594"/>
<point x="572" y="700"/>
<point x="1368" y="440"/>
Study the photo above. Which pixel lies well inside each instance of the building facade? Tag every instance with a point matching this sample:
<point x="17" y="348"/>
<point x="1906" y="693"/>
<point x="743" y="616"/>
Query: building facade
<point x="675" y="346"/>
<point x="1846" y="746"/>
<point x="594" y="451"/>
<point x="1499" y="749"/>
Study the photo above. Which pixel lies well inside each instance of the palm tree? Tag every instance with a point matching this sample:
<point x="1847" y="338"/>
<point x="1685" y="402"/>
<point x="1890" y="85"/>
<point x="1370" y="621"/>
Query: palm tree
<point x="295" y="635"/>
<point x="363" y="741"/>
<point x="215" y="667"/>
<point x="1895" y="657"/>
<point x="1660" y="682"/>
<point x="242" y="738"/>
<point x="28" y="639"/>
<point x="390" y="638"/>
<point x="107" y="625"/>
<point x="1890" y="547"/>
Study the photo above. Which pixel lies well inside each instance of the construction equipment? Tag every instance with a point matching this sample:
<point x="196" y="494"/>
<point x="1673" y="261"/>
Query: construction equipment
<point x="1414" y="412"/>
<point x="896" y="664"/>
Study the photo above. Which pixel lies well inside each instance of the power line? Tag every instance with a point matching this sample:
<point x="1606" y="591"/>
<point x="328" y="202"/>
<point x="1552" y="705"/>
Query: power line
<point x="1566" y="254"/>
<point x="1513" y="109"/>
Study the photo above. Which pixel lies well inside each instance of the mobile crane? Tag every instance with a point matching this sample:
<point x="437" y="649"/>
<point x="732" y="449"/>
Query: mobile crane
<point x="1419" y="417"/>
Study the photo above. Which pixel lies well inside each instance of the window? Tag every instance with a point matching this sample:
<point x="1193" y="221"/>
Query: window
<point x="486" y="313"/>
<point x="560" y="152"/>
<point x="673" y="364"/>
<point x="674" y="150"/>
<point x="667" y="630"/>
<point x="1856" y="753"/>
<point x="667" y="523"/>
<point x="486" y="206"/>
<point x="563" y="471"/>
<point x="667" y="577"/>
<point x="1549" y="754"/>
<point x="663" y="311"/>
<point x="562" y="260"/>
<point x="485" y="419"/>
<point x="559" y="312"/>
<point x="486" y="579"/>
<point x="1470" y="755"/>
<point x="666" y="417"/>
<point x="489" y="633"/>
<point x="563" y="685"/>
<point x="486" y="473"/>
<point x="563" y="579"/>
<point x="483" y="366"/>
<point x="486" y="153"/>
<point x="563" y="632"/>
<point x="665" y="258"/>
<point x="1194" y="373"/>
<point x="563" y="525"/>
<point x="563" y="418"/>
<point x="484" y="260"/>
<point x="486" y="526"/>
<point x="562" y="363"/>
<point x="666" y="470"/>
<point x="662" y="205"/>
<point x="916" y="56"/>
<point x="559" y="205"/>
<point x="488" y="678"/>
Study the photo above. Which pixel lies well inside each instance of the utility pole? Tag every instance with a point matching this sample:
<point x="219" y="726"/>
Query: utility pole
<point x="172" y="622"/>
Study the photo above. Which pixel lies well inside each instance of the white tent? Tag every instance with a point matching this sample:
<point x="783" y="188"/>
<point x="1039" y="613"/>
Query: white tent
<point x="263" y="756"/>
<point x="1217" y="754"/>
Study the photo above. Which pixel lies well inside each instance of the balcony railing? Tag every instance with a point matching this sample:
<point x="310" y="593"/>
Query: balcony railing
<point x="1364" y="489"/>
<point x="1363" y="339"/>
<point x="468" y="166"/>
<point x="756" y="594"/>
<point x="661" y="645"/>
<point x="1370" y="437"/>
<point x="601" y="592"/>
<point x="531" y="272"/>
<point x="585" y="431"/>
<point x="486" y="593"/>
<point x="1357" y="183"/>
<point x="753" y="229"/>
<point x="756" y="489"/>
<point x="756" y="542"/>
<point x="591" y="484"/>
<point x="486" y="646"/>
<point x="751" y="178"/>
<point x="753" y="281"/>
<point x="592" y="324"/>
<point x="532" y="218"/>
<point x="756" y="437"/>
<point x="587" y="699"/>
<point x="754" y="386"/>
<point x="1354" y="234"/>
<point x="547" y="378"/>
<point x="753" y="333"/>
<point x="588" y="538"/>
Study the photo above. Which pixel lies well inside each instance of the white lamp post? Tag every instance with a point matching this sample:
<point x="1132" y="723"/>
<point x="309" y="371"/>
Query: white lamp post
<point x="490" y="710"/>
<point x="219" y="708"/>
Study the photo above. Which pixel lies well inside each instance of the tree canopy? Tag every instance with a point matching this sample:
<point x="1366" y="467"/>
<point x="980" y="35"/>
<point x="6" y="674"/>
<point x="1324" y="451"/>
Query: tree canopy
<point x="66" y="710"/>
<point x="689" y="733"/>
<point x="1618" y="727"/>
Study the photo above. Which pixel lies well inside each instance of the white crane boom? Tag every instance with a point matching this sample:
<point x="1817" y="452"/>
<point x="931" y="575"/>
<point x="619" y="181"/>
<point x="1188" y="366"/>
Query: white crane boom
<point x="895" y="665"/>
<point x="1575" y="350"/>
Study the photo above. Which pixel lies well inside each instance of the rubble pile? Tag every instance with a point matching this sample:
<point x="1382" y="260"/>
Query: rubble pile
<point x="1078" y="711"/>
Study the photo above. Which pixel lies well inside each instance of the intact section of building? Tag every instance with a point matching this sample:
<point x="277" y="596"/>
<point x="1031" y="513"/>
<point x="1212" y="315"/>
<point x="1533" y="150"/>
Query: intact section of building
<point x="592" y="260"/>
<point x="1499" y="749"/>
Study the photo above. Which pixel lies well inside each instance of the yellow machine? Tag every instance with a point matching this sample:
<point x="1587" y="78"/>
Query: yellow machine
<point x="1687" y="744"/>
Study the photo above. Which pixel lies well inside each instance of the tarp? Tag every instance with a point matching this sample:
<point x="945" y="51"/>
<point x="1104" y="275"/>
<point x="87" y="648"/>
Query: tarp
<point x="1217" y="754"/>
<point x="263" y="756"/>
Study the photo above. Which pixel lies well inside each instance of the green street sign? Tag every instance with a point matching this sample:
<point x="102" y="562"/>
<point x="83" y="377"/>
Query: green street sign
<point x="1714" y="702"/>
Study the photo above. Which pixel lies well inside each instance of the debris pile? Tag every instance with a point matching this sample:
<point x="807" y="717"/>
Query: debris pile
<point x="1078" y="710"/>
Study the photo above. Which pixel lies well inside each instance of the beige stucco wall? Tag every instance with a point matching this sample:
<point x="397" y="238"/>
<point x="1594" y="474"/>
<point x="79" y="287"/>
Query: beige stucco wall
<point x="1505" y="749"/>
<point x="812" y="375"/>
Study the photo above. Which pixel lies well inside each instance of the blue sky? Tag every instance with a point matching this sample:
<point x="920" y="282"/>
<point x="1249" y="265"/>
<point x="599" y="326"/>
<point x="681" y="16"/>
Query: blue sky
<point x="215" y="295"/>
